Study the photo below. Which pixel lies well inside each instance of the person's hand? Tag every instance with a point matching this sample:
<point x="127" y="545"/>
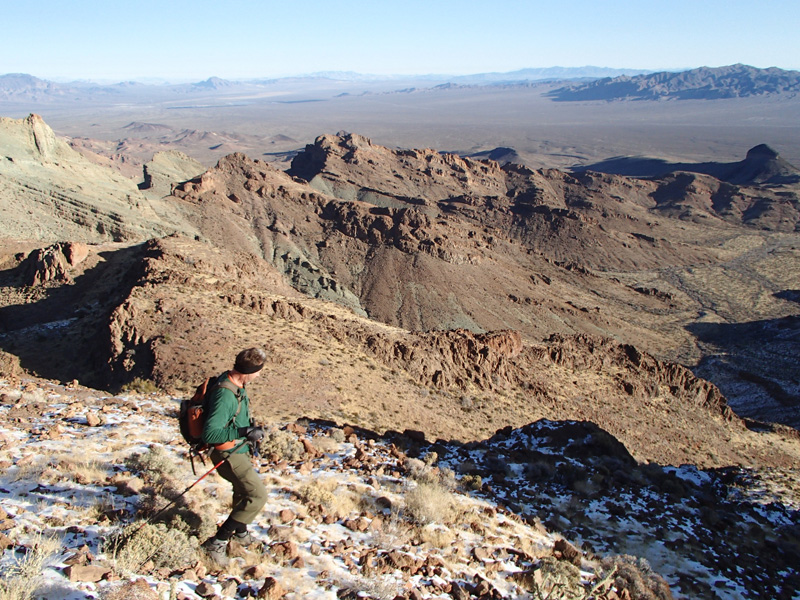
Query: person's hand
<point x="253" y="434"/>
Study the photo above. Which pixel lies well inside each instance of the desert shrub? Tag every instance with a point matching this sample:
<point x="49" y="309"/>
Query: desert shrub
<point x="380" y="588"/>
<point x="154" y="465"/>
<point x="319" y="492"/>
<point x="164" y="493"/>
<point x="22" y="578"/>
<point x="281" y="445"/>
<point x="437" y="535"/>
<point x="430" y="458"/>
<point x="558" y="580"/>
<point x="430" y="502"/>
<point x="635" y="575"/>
<point x="471" y="482"/>
<point x="337" y="434"/>
<point x="136" y="544"/>
<point x="539" y="470"/>
<point x="140" y="386"/>
<point x="326" y="444"/>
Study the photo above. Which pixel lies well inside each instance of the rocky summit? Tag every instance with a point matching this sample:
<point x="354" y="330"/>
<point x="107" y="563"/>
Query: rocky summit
<point x="598" y="358"/>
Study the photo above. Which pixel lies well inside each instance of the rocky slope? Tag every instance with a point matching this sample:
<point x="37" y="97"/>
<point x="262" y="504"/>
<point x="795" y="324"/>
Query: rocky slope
<point x="547" y="508"/>
<point x="52" y="193"/>
<point x="186" y="309"/>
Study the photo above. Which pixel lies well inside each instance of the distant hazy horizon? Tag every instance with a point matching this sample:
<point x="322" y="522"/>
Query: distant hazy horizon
<point x="582" y="71"/>
<point x="192" y="40"/>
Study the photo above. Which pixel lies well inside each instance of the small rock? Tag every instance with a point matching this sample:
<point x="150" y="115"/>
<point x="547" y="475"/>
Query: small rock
<point x="310" y="449"/>
<point x="481" y="554"/>
<point x="204" y="589"/>
<point x="86" y="573"/>
<point x="286" y="550"/>
<point x="272" y="590"/>
<point x="287" y="515"/>
<point x="230" y="588"/>
<point x="255" y="572"/>
<point x="93" y="420"/>
<point x="567" y="552"/>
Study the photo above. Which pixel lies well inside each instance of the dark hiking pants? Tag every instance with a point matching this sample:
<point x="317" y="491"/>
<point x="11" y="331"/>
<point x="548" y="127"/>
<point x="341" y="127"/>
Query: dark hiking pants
<point x="249" y="493"/>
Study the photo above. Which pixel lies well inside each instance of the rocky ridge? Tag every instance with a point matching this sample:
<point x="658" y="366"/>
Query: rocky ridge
<point x="163" y="323"/>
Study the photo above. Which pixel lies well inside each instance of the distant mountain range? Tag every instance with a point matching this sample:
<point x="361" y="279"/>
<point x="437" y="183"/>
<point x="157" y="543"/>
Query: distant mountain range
<point x="734" y="81"/>
<point x="582" y="83"/>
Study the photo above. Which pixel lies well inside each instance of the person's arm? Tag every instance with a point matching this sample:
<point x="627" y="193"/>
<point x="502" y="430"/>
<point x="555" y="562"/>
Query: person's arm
<point x="219" y="426"/>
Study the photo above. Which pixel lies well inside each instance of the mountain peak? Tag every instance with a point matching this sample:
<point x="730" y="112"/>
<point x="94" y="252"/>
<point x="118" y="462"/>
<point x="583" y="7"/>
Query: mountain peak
<point x="762" y="151"/>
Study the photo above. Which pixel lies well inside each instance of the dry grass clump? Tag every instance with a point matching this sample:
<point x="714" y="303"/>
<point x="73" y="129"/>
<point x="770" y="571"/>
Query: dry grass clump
<point x="281" y="445"/>
<point x="436" y="535"/>
<point x="81" y="470"/>
<point x="328" y="493"/>
<point x="137" y="544"/>
<point x="22" y="578"/>
<point x="430" y="502"/>
<point x="635" y="575"/>
<point x="319" y="492"/>
<point x="138" y="589"/>
<point x="140" y="386"/>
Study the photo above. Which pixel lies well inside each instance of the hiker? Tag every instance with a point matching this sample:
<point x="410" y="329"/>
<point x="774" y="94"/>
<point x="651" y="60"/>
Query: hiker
<point x="230" y="432"/>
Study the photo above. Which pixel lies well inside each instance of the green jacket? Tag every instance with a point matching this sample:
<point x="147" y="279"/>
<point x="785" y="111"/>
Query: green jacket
<point x="221" y="425"/>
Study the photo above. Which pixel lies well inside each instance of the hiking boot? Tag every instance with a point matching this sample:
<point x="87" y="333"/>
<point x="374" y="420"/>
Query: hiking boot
<point x="216" y="550"/>
<point x="244" y="538"/>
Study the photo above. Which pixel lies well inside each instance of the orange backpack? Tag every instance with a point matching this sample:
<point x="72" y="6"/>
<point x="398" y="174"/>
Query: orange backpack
<point x="192" y="418"/>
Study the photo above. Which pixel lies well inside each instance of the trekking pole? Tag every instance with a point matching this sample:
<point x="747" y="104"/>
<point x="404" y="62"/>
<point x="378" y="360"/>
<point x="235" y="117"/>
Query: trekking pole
<point x="179" y="496"/>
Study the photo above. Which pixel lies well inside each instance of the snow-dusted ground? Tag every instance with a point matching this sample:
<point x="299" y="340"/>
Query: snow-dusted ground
<point x="64" y="475"/>
<point x="340" y="515"/>
<point x="711" y="534"/>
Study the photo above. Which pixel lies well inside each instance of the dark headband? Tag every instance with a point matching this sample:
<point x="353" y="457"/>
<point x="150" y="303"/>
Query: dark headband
<point x="246" y="367"/>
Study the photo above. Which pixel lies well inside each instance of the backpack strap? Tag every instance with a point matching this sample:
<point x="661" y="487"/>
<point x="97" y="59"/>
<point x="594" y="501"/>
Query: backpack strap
<point x="237" y="391"/>
<point x="229" y="385"/>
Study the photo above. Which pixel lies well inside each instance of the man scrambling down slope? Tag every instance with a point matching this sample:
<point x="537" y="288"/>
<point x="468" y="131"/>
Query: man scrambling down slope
<point x="229" y="430"/>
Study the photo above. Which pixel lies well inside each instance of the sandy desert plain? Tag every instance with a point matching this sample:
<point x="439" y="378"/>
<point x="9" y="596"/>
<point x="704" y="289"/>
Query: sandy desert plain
<point x="283" y="117"/>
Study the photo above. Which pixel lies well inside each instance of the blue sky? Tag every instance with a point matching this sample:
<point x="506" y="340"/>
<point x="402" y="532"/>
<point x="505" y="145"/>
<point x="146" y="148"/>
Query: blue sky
<point x="179" y="40"/>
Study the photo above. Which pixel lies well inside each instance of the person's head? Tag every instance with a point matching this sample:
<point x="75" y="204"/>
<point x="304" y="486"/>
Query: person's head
<point x="249" y="363"/>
